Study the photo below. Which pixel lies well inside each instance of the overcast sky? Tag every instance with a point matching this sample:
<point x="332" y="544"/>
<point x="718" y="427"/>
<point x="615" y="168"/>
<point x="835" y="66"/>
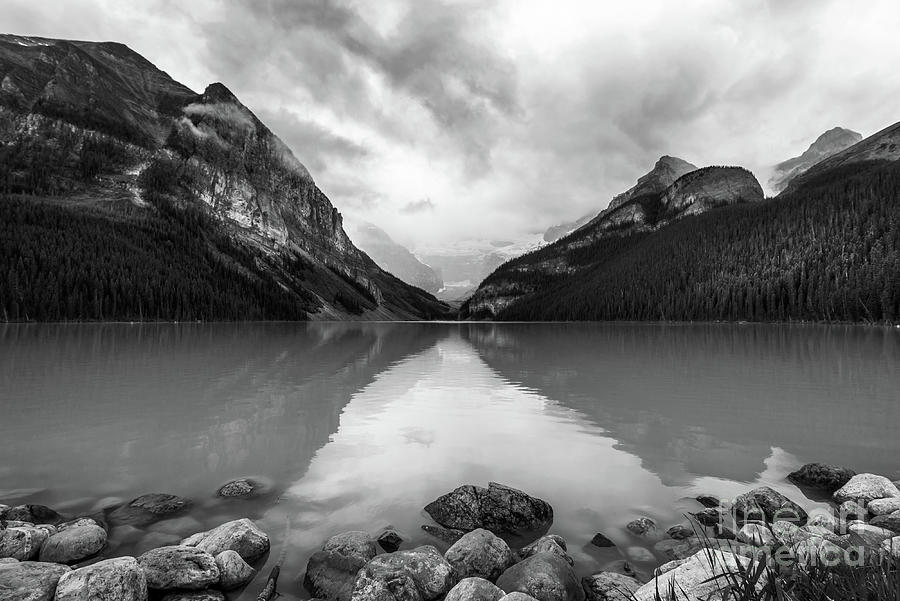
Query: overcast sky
<point x="491" y="119"/>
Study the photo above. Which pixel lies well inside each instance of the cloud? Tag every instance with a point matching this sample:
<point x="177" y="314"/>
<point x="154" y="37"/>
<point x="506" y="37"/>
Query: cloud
<point x="512" y="115"/>
<point x="417" y="206"/>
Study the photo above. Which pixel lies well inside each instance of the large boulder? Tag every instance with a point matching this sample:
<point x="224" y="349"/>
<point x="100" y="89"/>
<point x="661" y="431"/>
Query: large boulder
<point x="119" y="579"/>
<point x="72" y="544"/>
<point x="757" y="535"/>
<point x="767" y="504"/>
<point x="884" y="506"/>
<point x="179" y="567"/>
<point x="331" y="572"/>
<point x="147" y="509"/>
<point x="822" y="477"/>
<point x="864" y="488"/>
<point x="242" y="536"/>
<point x="498" y="508"/>
<point x="869" y="535"/>
<point x="234" y="572"/>
<point x="544" y="576"/>
<point x="474" y="589"/>
<point x="34" y="514"/>
<point x="420" y="574"/>
<point x="21" y="542"/>
<point x="700" y="577"/>
<point x="609" y="586"/>
<point x="29" y="580"/>
<point x="890" y="521"/>
<point x="480" y="553"/>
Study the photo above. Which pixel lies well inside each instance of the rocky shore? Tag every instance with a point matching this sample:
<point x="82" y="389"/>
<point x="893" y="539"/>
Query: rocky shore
<point x="47" y="556"/>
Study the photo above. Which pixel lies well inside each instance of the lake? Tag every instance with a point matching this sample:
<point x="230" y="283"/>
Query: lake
<point x="359" y="425"/>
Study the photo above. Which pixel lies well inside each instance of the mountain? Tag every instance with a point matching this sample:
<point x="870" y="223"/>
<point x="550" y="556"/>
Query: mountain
<point x="826" y="249"/>
<point x="831" y="142"/>
<point x="395" y="258"/>
<point x="465" y="263"/>
<point x="555" y="232"/>
<point x="883" y="146"/>
<point x="181" y="205"/>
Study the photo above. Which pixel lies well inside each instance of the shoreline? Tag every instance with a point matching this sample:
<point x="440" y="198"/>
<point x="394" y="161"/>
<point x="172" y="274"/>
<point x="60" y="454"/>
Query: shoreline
<point x="859" y="531"/>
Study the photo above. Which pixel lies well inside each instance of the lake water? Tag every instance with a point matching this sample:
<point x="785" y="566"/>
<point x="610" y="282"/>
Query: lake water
<point x="358" y="426"/>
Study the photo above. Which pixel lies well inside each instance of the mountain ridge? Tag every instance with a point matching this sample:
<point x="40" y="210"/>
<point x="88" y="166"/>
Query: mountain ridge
<point x="828" y="143"/>
<point x="99" y="124"/>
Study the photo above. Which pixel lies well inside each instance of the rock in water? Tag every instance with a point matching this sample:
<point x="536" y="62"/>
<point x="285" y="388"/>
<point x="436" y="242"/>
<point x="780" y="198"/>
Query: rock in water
<point x="864" y="488"/>
<point x="766" y="504"/>
<point x="73" y="544"/>
<point x="120" y="579"/>
<point x="609" y="586"/>
<point x="419" y="574"/>
<point x="233" y="571"/>
<point x="448" y="535"/>
<point x="208" y="595"/>
<point x="34" y="514"/>
<point x="822" y="477"/>
<point x="242" y="536"/>
<point x="696" y="577"/>
<point x="474" y="589"/>
<point x="331" y="573"/>
<point x="709" y="501"/>
<point x="179" y="567"/>
<point x="29" y="580"/>
<point x="21" y="542"/>
<point x="544" y="576"/>
<point x="480" y="553"/>
<point x="549" y="543"/>
<point x="680" y="532"/>
<point x="642" y="527"/>
<point x="601" y="541"/>
<point x="390" y="540"/>
<point x="148" y="509"/>
<point x="498" y="508"/>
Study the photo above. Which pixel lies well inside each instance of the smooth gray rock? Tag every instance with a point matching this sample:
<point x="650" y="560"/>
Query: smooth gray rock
<point x="241" y="535"/>
<point x="179" y="567"/>
<point x="884" y="506"/>
<point x="609" y="586"/>
<point x="549" y="543"/>
<point x="35" y="514"/>
<point x="419" y="574"/>
<point x="474" y="589"/>
<point x="149" y="508"/>
<point x="331" y="573"/>
<point x="822" y="477"/>
<point x="639" y="554"/>
<point x="480" y="553"/>
<point x="869" y="535"/>
<point x="696" y="577"/>
<point x="119" y="579"/>
<point x="498" y="508"/>
<point x="890" y="521"/>
<point x="601" y="541"/>
<point x="766" y="504"/>
<point x="544" y="576"/>
<point x="864" y="488"/>
<point x="207" y="595"/>
<point x="756" y="535"/>
<point x="680" y="532"/>
<point x="29" y="580"/>
<point x="234" y="572"/>
<point x="22" y="542"/>
<point x="73" y="544"/>
<point x="517" y="596"/>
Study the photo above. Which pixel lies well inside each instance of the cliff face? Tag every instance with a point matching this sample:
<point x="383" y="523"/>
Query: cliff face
<point x="829" y="143"/>
<point x="100" y="122"/>
<point x="671" y="191"/>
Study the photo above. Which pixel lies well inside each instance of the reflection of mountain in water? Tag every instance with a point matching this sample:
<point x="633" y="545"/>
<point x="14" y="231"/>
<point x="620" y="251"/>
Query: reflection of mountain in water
<point x="714" y="399"/>
<point x="182" y="408"/>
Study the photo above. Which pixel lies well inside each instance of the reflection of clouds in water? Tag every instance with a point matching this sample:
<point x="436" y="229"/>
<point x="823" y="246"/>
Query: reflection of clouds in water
<point x="443" y="418"/>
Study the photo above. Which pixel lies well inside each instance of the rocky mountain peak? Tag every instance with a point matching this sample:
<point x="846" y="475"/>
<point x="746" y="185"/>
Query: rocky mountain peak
<point x="712" y="187"/>
<point x="828" y="144"/>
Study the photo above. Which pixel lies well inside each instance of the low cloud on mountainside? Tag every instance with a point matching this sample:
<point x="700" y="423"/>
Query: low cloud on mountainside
<point x="512" y="115"/>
